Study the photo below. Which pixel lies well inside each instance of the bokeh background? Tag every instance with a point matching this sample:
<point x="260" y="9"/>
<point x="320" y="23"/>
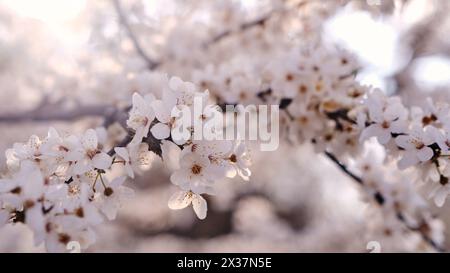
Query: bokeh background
<point x="75" y="56"/>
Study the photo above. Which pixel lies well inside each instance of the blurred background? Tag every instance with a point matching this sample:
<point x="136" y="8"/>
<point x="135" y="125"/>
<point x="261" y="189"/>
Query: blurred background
<point x="70" y="63"/>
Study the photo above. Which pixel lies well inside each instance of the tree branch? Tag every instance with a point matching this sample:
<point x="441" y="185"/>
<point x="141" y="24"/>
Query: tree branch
<point x="379" y="198"/>
<point x="151" y="64"/>
<point x="258" y="22"/>
<point x="55" y="111"/>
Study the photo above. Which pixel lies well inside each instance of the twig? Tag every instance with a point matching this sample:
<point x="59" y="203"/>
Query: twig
<point x="151" y="64"/>
<point x="380" y="200"/>
<point x="258" y="22"/>
<point x="344" y="168"/>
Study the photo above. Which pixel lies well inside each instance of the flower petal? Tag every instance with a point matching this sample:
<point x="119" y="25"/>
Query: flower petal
<point x="441" y="195"/>
<point x="102" y="161"/>
<point x="122" y="152"/>
<point x="404" y="142"/>
<point x="171" y="155"/>
<point x="383" y="136"/>
<point x="200" y="206"/>
<point x="180" y="177"/>
<point x="425" y="154"/>
<point x="160" y="131"/>
<point x="409" y="159"/>
<point x="179" y="200"/>
<point x="90" y="140"/>
<point x="161" y="112"/>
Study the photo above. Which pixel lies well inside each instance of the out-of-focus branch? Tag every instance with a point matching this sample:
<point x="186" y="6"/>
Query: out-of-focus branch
<point x="258" y="22"/>
<point x="151" y="64"/>
<point x="56" y="111"/>
<point x="254" y="23"/>
<point x="379" y="198"/>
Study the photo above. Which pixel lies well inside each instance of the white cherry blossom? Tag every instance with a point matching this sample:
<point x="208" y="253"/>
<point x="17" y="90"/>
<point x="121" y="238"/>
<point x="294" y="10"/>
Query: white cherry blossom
<point x="141" y="116"/>
<point x="195" y="173"/>
<point x="90" y="155"/>
<point x="182" y="199"/>
<point x="416" y="147"/>
<point x="133" y="157"/>
<point x="387" y="118"/>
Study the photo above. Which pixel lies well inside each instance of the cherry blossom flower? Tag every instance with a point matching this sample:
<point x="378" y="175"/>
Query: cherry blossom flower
<point x="217" y="152"/>
<point x="387" y="118"/>
<point x="110" y="195"/>
<point x="240" y="160"/>
<point x="416" y="147"/>
<point x="90" y="155"/>
<point x="195" y="173"/>
<point x="442" y="137"/>
<point x="182" y="199"/>
<point x="24" y="187"/>
<point x="63" y="229"/>
<point x="167" y="109"/>
<point x="141" y="116"/>
<point x="133" y="157"/>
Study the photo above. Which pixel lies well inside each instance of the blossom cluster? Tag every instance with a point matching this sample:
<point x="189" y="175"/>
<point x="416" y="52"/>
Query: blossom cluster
<point x="63" y="186"/>
<point x="323" y="104"/>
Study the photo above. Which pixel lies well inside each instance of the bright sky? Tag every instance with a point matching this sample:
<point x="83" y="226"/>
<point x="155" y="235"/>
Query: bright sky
<point x="48" y="11"/>
<point x="375" y="41"/>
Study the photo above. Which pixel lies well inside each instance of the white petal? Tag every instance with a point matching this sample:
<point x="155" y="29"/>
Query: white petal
<point x="399" y="126"/>
<point x="35" y="219"/>
<point x="89" y="140"/>
<point x="160" y="131"/>
<point x="138" y="101"/>
<point x="370" y="131"/>
<point x="102" y="161"/>
<point x="404" y="142"/>
<point x="4" y="217"/>
<point x="384" y="136"/>
<point x="74" y="155"/>
<point x="171" y="155"/>
<point x="179" y="177"/>
<point x="440" y="197"/>
<point x="81" y="167"/>
<point x="141" y="132"/>
<point x="129" y="171"/>
<point x="161" y="112"/>
<point x="122" y="152"/>
<point x="409" y="159"/>
<point x="392" y="112"/>
<point x="200" y="206"/>
<point x="425" y="154"/>
<point x="118" y="181"/>
<point x="109" y="209"/>
<point x="179" y="200"/>
<point x="376" y="114"/>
